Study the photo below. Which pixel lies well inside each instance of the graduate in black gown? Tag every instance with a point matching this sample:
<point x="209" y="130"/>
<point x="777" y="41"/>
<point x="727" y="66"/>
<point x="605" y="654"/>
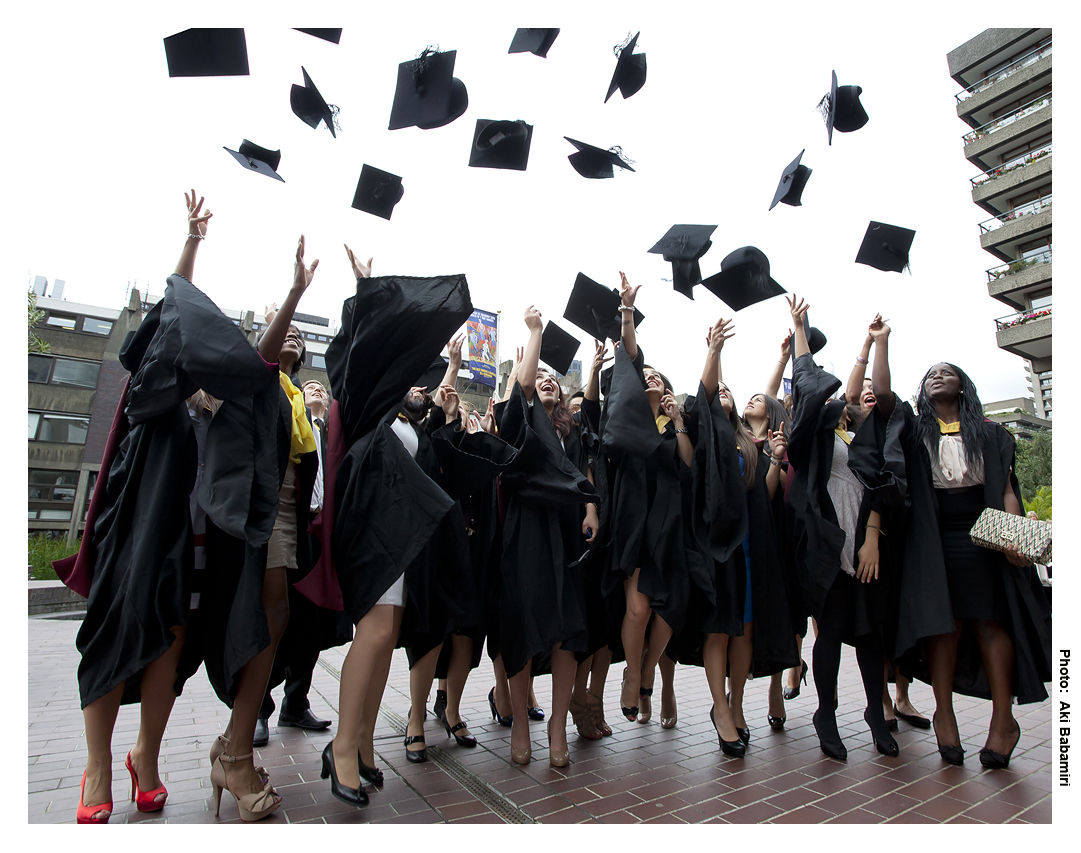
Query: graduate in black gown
<point x="542" y="599"/>
<point x="136" y="558"/>
<point x="971" y="620"/>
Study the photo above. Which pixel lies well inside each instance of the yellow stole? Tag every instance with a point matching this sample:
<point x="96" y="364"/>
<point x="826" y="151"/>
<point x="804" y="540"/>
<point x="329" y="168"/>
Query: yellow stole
<point x="949" y="429"/>
<point x="301" y="439"/>
<point x="661" y="421"/>
<point x="841" y="434"/>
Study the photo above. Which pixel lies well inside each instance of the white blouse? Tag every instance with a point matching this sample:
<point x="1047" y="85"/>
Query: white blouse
<point x="952" y="470"/>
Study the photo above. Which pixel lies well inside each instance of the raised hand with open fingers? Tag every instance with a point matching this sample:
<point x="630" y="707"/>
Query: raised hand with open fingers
<point x="786" y="346"/>
<point x="778" y="442"/>
<point x="626" y="292"/>
<point x="302" y="276"/>
<point x="450" y="401"/>
<point x="360" y="270"/>
<point x="878" y="330"/>
<point x="196" y="223"/>
<point x="797" y="307"/>
<point x="719" y="332"/>
<point x="487" y="423"/>
<point x="454" y="349"/>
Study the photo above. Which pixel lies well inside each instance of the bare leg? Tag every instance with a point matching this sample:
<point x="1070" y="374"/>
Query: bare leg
<point x="904" y="704"/>
<point x="99" y="719"/>
<point x="942" y="657"/>
<point x="420" y="682"/>
<point x="461" y="655"/>
<point x="633" y="634"/>
<point x="251" y="687"/>
<point x="364" y="676"/>
<point x="519" y="696"/>
<point x="598" y="671"/>
<point x="668" y="687"/>
<point x="502" y="687"/>
<point x="563" y="669"/>
<point x="714" y="658"/>
<point x="531" y="700"/>
<point x="740" y="651"/>
<point x="157" y="698"/>
<point x="581" y="681"/>
<point x="996" y="649"/>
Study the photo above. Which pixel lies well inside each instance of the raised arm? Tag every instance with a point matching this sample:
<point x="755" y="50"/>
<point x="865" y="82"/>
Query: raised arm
<point x="527" y="370"/>
<point x="719" y="332"/>
<point x="854" y="389"/>
<point x="512" y="377"/>
<point x="626" y="310"/>
<point x="778" y="443"/>
<point x="799" y="311"/>
<point x="773" y="382"/>
<point x="196" y="234"/>
<point x="600" y="356"/>
<point x="454" y="364"/>
<point x="270" y="345"/>
<point x="880" y="371"/>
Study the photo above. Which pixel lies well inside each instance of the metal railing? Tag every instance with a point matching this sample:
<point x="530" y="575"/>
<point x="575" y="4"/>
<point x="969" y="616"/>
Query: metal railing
<point x="1020" y="318"/>
<point x="1012" y="267"/>
<point x="1003" y="73"/>
<point x="1020" y="162"/>
<point x="1028" y="209"/>
<point x="983" y="130"/>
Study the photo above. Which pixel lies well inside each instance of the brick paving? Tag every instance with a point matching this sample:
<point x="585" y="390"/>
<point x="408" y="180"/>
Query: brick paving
<point x="643" y="774"/>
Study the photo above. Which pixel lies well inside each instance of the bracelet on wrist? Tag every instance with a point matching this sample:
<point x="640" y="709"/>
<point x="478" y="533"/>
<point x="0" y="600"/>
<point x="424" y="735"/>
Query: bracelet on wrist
<point x="681" y="430"/>
<point x="773" y="460"/>
<point x="860" y="360"/>
<point x="197" y="236"/>
<point x="626" y="307"/>
<point x="875" y="527"/>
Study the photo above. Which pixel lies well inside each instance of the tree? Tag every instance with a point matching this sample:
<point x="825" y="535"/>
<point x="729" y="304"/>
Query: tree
<point x="34" y="315"/>
<point x="1032" y="464"/>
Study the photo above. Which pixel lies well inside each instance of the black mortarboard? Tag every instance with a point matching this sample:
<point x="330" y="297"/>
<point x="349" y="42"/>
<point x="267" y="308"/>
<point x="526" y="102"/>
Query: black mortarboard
<point x="433" y="375"/>
<point x="744" y="279"/>
<point x="815" y="339"/>
<point x="331" y="35"/>
<point x="843" y="110"/>
<point x="501" y="144"/>
<point x="683" y="245"/>
<point x="261" y="160"/>
<point x="427" y="94"/>
<point x="377" y="191"/>
<point x="535" y="40"/>
<point x="885" y="247"/>
<point x="558" y="348"/>
<point x="594" y="309"/>
<point x="630" y="73"/>
<point x="207" y="52"/>
<point x="793" y="180"/>
<point x="592" y="162"/>
<point x="308" y="105"/>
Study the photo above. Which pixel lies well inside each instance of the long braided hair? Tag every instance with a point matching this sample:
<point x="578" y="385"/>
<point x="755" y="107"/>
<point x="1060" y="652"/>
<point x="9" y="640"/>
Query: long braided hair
<point x="968" y="402"/>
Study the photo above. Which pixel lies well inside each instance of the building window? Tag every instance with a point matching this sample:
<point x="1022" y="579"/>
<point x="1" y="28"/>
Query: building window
<point x="1025" y="147"/>
<point x="52" y="485"/>
<point x="63" y="371"/>
<point x="97" y="327"/>
<point x="62" y="429"/>
<point x="58" y="321"/>
<point x="39" y="367"/>
<point x="319" y="362"/>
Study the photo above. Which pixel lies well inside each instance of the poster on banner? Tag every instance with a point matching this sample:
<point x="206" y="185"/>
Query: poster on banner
<point x="483" y="330"/>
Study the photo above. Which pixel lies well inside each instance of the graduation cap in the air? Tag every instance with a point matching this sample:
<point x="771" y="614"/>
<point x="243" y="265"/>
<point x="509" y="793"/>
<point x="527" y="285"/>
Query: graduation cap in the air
<point x="207" y="52"/>
<point x="815" y="339"/>
<point x="885" y="247"/>
<point x="684" y="245"/>
<point x="427" y="94"/>
<point x="594" y="309"/>
<point x="308" y="105"/>
<point x="558" y="348"/>
<point x="744" y="279"/>
<point x="261" y="160"/>
<point x="501" y="144"/>
<point x="535" y="40"/>
<point x="377" y="191"/>
<point x="793" y="180"/>
<point x="630" y="73"/>
<point x="433" y="375"/>
<point x="842" y="108"/>
<point x="327" y="34"/>
<point x="592" y="162"/>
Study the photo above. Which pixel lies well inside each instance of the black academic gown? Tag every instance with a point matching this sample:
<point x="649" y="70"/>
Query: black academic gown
<point x="542" y="599"/>
<point x="386" y="508"/>
<point x="924" y="607"/>
<point x="141" y="547"/>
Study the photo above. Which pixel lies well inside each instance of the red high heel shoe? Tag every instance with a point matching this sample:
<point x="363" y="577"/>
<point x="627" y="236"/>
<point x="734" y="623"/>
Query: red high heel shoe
<point x="144" y="800"/>
<point x="85" y="814"/>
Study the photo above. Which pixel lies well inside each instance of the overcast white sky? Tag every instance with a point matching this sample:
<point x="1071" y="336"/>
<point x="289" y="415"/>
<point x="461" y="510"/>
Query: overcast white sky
<point x="109" y="143"/>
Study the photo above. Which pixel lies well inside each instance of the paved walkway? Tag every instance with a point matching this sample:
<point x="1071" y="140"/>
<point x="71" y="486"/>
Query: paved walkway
<point x="641" y="774"/>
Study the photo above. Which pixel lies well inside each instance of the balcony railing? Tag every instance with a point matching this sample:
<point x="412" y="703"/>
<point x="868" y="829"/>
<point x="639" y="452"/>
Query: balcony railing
<point x="1010" y="268"/>
<point x="1003" y="73"/>
<point x="1016" y="163"/>
<point x="1005" y="121"/>
<point x="1029" y="209"/>
<point x="1020" y="318"/>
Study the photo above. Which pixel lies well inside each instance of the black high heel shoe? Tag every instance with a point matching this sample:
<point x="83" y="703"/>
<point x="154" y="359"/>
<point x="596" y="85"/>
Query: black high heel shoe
<point x="887" y="745"/>
<point x="831" y="746"/>
<point x="775" y="723"/>
<point x="951" y="753"/>
<point x="352" y="796"/>
<point x="371" y="774"/>
<point x="744" y="734"/>
<point x="440" y="706"/>
<point x="996" y="760"/>
<point x="731" y="748"/>
<point x="535" y="713"/>
<point x="417" y="756"/>
<point x="630" y="713"/>
<point x="792" y="692"/>
<point x="461" y="740"/>
<point x="507" y="721"/>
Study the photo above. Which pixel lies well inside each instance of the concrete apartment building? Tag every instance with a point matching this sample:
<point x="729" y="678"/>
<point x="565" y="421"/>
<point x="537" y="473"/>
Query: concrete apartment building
<point x="1006" y="101"/>
<point x="73" y="392"/>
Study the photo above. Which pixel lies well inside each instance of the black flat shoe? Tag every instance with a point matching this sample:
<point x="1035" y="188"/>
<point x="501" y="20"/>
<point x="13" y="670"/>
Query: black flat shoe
<point x="951" y="753"/>
<point x="731" y="748"/>
<point x="884" y="741"/>
<point x="996" y="760"/>
<point x="352" y="796"/>
<point x="417" y="756"/>
<point x="262" y="732"/>
<point x="461" y="740"/>
<point x="831" y="745"/>
<point x="793" y="692"/>
<point x="507" y="721"/>
<point x="304" y="720"/>
<point x="775" y="723"/>
<point x="913" y="719"/>
<point x="440" y="706"/>
<point x="535" y="713"/>
<point x="371" y="774"/>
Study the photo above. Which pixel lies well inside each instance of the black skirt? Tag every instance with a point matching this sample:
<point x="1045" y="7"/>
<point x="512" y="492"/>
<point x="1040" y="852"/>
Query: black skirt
<point x="976" y="590"/>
